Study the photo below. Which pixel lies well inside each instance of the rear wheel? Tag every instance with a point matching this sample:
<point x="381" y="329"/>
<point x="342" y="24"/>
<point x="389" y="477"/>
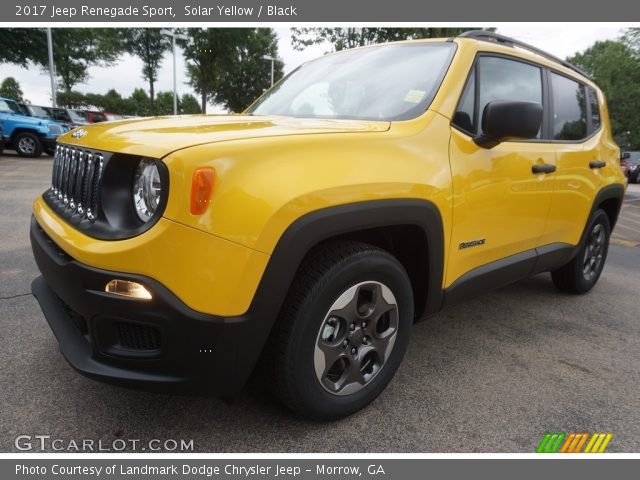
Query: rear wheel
<point x="582" y="273"/>
<point x="343" y="331"/>
<point x="28" y="144"/>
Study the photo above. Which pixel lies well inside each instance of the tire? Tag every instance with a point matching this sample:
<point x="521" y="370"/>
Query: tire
<point x="638" y="176"/>
<point x="582" y="273"/>
<point x="310" y="359"/>
<point x="28" y="145"/>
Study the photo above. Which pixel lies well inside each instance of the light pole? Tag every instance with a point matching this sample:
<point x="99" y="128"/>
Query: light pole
<point x="174" y="35"/>
<point x="52" y="67"/>
<point x="272" y="59"/>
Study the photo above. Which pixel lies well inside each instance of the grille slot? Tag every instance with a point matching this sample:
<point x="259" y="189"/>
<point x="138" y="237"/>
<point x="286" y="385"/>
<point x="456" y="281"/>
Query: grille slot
<point x="76" y="178"/>
<point x="138" y="337"/>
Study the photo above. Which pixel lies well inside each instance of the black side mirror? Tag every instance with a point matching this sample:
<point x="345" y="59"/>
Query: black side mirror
<point x="502" y="120"/>
<point x="625" y="156"/>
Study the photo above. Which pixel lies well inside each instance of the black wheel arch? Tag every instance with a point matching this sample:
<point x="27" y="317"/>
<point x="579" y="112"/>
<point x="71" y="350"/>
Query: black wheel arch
<point x="21" y="130"/>
<point x="379" y="222"/>
<point x="609" y="199"/>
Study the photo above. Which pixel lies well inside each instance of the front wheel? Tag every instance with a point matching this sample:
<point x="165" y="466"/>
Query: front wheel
<point x="343" y="331"/>
<point x="582" y="273"/>
<point x="28" y="145"/>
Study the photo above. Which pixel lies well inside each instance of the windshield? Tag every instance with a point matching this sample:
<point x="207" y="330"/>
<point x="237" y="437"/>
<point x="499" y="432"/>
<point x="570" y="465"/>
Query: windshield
<point x="38" y="111"/>
<point x="61" y="115"/>
<point x="78" y="116"/>
<point x="390" y="82"/>
<point x="9" y="106"/>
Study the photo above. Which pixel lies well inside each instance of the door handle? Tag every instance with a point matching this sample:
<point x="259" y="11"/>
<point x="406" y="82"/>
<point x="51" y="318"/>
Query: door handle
<point x="597" y="164"/>
<point x="543" y="168"/>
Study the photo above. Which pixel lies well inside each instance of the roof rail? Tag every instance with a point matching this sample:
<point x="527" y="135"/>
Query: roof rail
<point x="512" y="42"/>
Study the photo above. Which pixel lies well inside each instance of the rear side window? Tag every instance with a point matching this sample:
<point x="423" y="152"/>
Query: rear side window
<point x="595" y="108"/>
<point x="498" y="79"/>
<point x="569" y="108"/>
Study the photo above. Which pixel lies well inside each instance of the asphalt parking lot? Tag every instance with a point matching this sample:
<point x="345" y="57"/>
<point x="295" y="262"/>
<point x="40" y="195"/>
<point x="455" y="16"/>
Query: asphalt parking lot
<point x="490" y="375"/>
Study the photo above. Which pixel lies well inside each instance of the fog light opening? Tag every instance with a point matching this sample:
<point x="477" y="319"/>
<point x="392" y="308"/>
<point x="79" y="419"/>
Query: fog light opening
<point x="125" y="288"/>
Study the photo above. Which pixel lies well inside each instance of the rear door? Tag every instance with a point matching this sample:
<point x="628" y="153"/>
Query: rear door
<point x="582" y="156"/>
<point x="500" y="206"/>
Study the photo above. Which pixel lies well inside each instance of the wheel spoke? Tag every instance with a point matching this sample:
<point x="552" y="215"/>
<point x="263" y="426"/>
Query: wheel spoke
<point x="383" y="345"/>
<point x="354" y="375"/>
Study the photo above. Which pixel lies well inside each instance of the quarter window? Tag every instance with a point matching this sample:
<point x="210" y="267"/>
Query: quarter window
<point x="569" y="108"/>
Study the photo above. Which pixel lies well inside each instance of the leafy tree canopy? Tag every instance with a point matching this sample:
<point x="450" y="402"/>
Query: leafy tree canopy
<point x="226" y="65"/>
<point x="188" y="104"/>
<point x="335" y="39"/>
<point x="616" y="69"/>
<point x="20" y="45"/>
<point x="10" y="88"/>
<point x="149" y="45"/>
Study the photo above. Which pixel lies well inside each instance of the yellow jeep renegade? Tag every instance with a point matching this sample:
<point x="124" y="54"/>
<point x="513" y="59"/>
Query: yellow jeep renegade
<point x="367" y="190"/>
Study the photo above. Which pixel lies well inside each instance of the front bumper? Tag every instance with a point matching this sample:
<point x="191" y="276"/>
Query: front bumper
<point x="49" y="142"/>
<point x="144" y="343"/>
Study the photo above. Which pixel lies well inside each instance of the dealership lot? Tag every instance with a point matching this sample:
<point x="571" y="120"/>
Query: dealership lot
<point x="490" y="375"/>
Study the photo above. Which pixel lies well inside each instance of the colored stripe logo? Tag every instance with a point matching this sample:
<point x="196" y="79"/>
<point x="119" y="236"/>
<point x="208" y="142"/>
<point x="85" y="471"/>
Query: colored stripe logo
<point x="560" y="442"/>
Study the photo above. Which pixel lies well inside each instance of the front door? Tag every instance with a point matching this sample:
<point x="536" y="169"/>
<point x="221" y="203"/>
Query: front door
<point x="500" y="202"/>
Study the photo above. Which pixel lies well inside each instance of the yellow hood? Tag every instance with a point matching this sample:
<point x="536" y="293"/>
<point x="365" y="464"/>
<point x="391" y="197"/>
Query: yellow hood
<point x="158" y="136"/>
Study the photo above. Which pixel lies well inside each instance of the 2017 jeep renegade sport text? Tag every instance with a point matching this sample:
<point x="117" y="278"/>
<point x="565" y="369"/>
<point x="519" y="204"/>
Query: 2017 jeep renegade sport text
<point x="365" y="191"/>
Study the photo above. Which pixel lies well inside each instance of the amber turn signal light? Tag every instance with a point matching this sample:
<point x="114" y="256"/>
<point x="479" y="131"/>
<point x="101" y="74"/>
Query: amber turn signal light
<point x="201" y="188"/>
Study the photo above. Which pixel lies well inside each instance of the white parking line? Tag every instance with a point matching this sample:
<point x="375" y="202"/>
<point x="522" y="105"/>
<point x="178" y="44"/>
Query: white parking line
<point x="634" y="231"/>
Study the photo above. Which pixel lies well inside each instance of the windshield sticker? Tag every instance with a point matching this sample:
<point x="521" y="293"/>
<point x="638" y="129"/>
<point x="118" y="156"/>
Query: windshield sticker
<point x="414" y="96"/>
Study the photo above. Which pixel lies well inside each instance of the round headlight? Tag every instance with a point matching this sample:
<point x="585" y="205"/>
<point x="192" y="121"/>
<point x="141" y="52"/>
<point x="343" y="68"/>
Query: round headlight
<point x="146" y="189"/>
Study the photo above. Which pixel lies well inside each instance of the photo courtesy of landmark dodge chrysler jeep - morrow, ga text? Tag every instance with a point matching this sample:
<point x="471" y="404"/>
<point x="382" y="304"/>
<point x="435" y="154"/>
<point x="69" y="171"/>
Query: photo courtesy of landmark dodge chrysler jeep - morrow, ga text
<point x="365" y="191"/>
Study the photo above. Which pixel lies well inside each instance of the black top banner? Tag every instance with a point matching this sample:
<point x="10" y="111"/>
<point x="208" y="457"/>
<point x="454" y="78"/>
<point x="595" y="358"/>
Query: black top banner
<point x="297" y="11"/>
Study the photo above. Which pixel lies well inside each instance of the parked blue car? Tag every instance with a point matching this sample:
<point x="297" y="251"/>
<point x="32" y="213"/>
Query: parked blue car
<point x="28" y="136"/>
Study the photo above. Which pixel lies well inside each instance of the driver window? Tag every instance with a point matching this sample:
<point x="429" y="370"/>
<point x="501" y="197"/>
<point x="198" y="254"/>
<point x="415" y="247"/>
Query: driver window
<point x="499" y="79"/>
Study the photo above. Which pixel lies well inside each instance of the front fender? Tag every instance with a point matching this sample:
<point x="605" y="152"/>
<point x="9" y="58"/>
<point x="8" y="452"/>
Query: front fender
<point x="264" y="185"/>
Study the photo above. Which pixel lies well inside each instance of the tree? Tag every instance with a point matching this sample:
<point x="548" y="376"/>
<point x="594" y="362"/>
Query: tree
<point x="225" y="65"/>
<point x="137" y="103"/>
<point x="342" y="38"/>
<point x="149" y="45"/>
<point x="204" y="51"/>
<point x="249" y="75"/>
<point x="164" y="103"/>
<point x="188" y="105"/>
<point x="111" y="101"/>
<point x="631" y="38"/>
<point x="74" y="50"/>
<point x="20" y="45"/>
<point x="71" y="99"/>
<point x="10" y="88"/>
<point x="616" y="69"/>
<point x="77" y="49"/>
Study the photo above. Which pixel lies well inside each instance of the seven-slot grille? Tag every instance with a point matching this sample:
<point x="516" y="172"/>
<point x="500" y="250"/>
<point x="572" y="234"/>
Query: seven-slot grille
<point x="76" y="179"/>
